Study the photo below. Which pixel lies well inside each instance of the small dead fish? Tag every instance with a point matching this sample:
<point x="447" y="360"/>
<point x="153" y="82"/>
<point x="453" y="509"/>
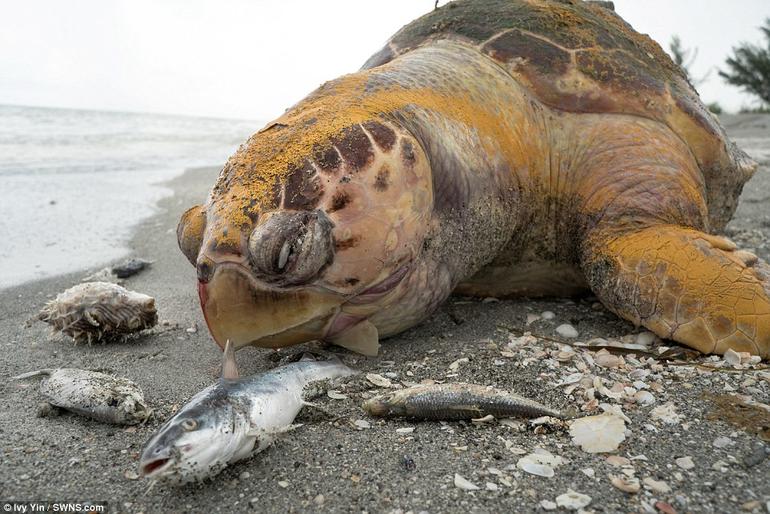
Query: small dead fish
<point x="130" y="267"/>
<point x="454" y="402"/>
<point x="232" y="419"/>
<point x="92" y="394"/>
<point x="96" y="311"/>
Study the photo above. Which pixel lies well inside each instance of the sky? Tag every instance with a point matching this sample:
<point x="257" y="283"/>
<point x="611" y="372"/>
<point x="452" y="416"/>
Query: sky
<point x="252" y="59"/>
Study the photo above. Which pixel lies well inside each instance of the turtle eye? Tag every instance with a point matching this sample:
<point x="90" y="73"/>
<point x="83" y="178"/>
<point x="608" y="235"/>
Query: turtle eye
<point x="291" y="247"/>
<point x="189" y="424"/>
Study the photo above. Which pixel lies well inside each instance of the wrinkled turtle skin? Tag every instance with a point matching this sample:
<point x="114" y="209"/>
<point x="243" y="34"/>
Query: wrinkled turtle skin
<point x="491" y="148"/>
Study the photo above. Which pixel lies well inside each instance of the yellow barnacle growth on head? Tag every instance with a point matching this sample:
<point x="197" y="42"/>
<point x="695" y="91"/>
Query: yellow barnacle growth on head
<point x="310" y="127"/>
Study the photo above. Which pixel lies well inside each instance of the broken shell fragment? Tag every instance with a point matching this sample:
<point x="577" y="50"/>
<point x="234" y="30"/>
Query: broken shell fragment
<point x="464" y="484"/>
<point x="572" y="500"/>
<point x="626" y="484"/>
<point x="598" y="434"/>
<point x="96" y="311"/>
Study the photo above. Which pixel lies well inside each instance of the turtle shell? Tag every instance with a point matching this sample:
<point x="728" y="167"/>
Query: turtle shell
<point x="582" y="57"/>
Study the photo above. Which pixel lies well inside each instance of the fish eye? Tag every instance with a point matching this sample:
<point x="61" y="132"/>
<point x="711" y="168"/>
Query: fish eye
<point x="189" y="424"/>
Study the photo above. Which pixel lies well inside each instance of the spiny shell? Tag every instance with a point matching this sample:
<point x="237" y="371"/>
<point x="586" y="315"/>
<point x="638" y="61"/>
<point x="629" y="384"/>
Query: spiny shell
<point x="94" y="311"/>
<point x="94" y="395"/>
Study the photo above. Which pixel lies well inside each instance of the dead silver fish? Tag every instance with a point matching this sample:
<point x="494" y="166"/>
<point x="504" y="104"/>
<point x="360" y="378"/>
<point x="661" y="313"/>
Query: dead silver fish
<point x="454" y="402"/>
<point x="96" y="311"/>
<point x="231" y="419"/>
<point x="92" y="394"/>
<point x="130" y="267"/>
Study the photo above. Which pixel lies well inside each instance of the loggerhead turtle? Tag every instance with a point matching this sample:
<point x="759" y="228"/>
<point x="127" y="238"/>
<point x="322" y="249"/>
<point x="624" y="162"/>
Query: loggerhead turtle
<point x="493" y="148"/>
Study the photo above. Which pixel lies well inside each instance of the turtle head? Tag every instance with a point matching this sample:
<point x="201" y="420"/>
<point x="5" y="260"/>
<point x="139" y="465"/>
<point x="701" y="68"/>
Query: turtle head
<point x="309" y="232"/>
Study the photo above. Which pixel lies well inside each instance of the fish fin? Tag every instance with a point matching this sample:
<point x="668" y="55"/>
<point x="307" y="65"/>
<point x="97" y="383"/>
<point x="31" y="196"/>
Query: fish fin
<point x="362" y="338"/>
<point x="307" y="357"/>
<point x="288" y="428"/>
<point x="229" y="366"/>
<point x="31" y="374"/>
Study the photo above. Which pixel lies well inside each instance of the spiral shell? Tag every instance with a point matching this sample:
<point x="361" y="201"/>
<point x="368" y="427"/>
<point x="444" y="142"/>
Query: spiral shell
<point x="99" y="311"/>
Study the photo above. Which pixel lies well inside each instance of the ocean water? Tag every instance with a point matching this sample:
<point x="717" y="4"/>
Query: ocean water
<point x="73" y="183"/>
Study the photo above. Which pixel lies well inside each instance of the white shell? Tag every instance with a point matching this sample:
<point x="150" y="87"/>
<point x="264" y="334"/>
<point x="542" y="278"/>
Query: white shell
<point x="464" y="484"/>
<point x="598" y="434"/>
<point x="572" y="500"/>
<point x="94" y="311"/>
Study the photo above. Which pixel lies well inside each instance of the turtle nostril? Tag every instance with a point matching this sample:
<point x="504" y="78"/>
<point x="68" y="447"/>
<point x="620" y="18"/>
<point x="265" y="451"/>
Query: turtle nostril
<point x="205" y="269"/>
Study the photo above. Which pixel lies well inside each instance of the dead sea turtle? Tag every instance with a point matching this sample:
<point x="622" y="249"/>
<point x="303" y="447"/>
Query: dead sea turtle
<point x="493" y="148"/>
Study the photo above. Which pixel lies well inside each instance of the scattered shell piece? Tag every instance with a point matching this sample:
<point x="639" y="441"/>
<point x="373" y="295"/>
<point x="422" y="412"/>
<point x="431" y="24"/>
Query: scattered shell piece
<point x="608" y="360"/>
<point x="665" y="507"/>
<point x="459" y="362"/>
<point x="362" y="424"/>
<point x="547" y="315"/>
<point x="572" y="500"/>
<point x="722" y="442"/>
<point x="336" y="395"/>
<point x="570" y="379"/>
<point x="540" y="462"/>
<point x="405" y="430"/>
<point x="720" y="465"/>
<point x="644" y="398"/>
<point x="283" y="483"/>
<point x="131" y="475"/>
<point x="645" y="338"/>
<point x="625" y="484"/>
<point x="464" y="484"/>
<point x="491" y="486"/>
<point x="732" y="357"/>
<point x="567" y="330"/>
<point x="618" y="461"/>
<point x="378" y="380"/>
<point x="666" y="413"/>
<point x="96" y="311"/>
<point x="589" y="472"/>
<point x="531" y="318"/>
<point x="598" y="434"/>
<point x="489" y="418"/>
<point x="659" y="486"/>
<point x="548" y="505"/>
<point x="685" y="462"/>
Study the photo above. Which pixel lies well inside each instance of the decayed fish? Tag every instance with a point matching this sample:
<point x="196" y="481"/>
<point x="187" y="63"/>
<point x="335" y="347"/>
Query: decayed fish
<point x="231" y="419"/>
<point x="92" y="394"/>
<point x="95" y="311"/>
<point x="130" y="267"/>
<point x="454" y="402"/>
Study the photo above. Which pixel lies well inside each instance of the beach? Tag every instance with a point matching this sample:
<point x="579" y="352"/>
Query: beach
<point x="335" y="465"/>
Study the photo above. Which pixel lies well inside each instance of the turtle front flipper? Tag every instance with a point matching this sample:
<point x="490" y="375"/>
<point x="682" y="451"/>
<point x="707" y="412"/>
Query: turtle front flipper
<point x="685" y="285"/>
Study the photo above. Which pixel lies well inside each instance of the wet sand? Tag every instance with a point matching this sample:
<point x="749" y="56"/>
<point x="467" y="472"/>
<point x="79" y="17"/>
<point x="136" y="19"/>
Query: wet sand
<point x="329" y="465"/>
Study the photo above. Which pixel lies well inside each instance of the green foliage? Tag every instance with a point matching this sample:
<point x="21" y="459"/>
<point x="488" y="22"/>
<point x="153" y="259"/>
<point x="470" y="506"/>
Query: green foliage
<point x="749" y="67"/>
<point x="684" y="58"/>
<point x="715" y="108"/>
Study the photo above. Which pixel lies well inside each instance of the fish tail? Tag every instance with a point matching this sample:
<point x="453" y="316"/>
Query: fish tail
<point x="31" y="374"/>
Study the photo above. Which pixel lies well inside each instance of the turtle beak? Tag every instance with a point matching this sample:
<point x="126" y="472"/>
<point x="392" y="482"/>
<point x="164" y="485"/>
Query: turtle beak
<point x="239" y="308"/>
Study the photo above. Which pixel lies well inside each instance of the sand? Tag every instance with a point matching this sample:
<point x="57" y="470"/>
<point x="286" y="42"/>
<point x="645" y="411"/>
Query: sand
<point x="329" y="465"/>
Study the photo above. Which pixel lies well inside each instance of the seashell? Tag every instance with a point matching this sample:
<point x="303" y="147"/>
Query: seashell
<point x="659" y="486"/>
<point x="541" y="463"/>
<point x="96" y="311"/>
<point x="572" y="500"/>
<point x="378" y="380"/>
<point x="618" y="461"/>
<point x="607" y="360"/>
<point x="625" y="484"/>
<point x="94" y="395"/>
<point x="666" y="413"/>
<point x="644" y="398"/>
<point x="547" y="315"/>
<point x="685" y="462"/>
<point x="567" y="330"/>
<point x="464" y="484"/>
<point x="598" y="434"/>
<point x="645" y="338"/>
<point x="732" y="357"/>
